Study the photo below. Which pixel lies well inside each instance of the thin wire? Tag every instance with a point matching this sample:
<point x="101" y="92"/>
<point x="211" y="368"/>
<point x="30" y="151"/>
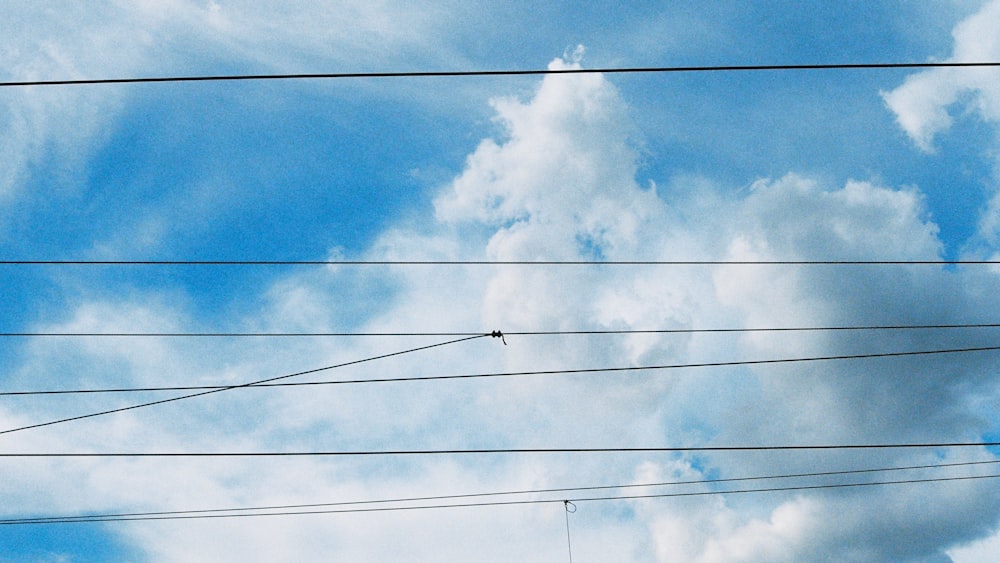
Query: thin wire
<point x="515" y="333"/>
<point x="530" y="72"/>
<point x="507" y="493"/>
<point x="226" y="388"/>
<point x="491" y="451"/>
<point x="491" y="262"/>
<point x="240" y="334"/>
<point x="71" y="520"/>
<point x="569" y="544"/>
<point x="501" y="374"/>
<point x="795" y="488"/>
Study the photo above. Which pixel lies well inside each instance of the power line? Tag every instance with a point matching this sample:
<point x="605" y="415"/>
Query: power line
<point x="493" y="451"/>
<point x="495" y="262"/>
<point x="473" y="73"/>
<point x="226" y="388"/>
<point x="476" y="333"/>
<point x="72" y="520"/>
<point x="285" y="507"/>
<point x="264" y="383"/>
<point x="793" y="488"/>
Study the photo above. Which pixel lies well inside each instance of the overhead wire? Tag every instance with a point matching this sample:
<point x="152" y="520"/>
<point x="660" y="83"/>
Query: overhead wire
<point x="796" y="488"/>
<point x="229" y="387"/>
<point x="507" y="451"/>
<point x="267" y="383"/>
<point x="93" y="517"/>
<point x="508" y="333"/>
<point x="200" y="515"/>
<point x="887" y="262"/>
<point x="509" y="72"/>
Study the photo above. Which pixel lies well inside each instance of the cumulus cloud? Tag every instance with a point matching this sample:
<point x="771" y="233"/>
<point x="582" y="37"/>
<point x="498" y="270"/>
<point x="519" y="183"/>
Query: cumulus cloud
<point x="559" y="182"/>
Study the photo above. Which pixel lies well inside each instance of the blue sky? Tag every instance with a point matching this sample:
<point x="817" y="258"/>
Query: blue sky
<point x="867" y="165"/>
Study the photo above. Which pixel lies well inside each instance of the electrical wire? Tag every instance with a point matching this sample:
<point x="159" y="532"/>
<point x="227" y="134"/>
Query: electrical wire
<point x="794" y="488"/>
<point x="226" y="388"/>
<point x="495" y="262"/>
<point x="77" y="520"/>
<point x="493" y="451"/>
<point x="265" y="383"/>
<point x="514" y="333"/>
<point x="285" y="507"/>
<point x="471" y="73"/>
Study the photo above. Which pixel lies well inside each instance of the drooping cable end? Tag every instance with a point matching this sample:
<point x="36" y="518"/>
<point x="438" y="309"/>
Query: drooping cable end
<point x="498" y="334"/>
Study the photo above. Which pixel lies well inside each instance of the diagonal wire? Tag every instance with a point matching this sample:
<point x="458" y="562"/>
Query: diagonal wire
<point x="794" y="488"/>
<point x="250" y="384"/>
<point x="265" y="383"/>
<point x="512" y="492"/>
<point x="168" y="516"/>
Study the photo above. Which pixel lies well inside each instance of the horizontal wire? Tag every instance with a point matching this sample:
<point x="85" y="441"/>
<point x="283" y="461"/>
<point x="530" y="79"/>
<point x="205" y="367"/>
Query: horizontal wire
<point x="505" y="374"/>
<point x="470" y="73"/>
<point x="492" y="262"/>
<point x="504" y="503"/>
<point x="229" y="387"/>
<point x="793" y="488"/>
<point x="491" y="451"/>
<point x="98" y="517"/>
<point x="516" y="333"/>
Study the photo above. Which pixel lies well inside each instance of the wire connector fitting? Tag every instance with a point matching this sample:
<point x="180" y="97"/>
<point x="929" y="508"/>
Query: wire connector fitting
<point x="499" y="334"/>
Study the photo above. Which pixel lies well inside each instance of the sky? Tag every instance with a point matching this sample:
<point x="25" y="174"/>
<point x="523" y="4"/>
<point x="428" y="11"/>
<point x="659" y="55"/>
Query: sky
<point x="719" y="167"/>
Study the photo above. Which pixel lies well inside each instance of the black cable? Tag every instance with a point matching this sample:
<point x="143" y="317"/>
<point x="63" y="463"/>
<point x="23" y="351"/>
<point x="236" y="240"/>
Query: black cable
<point x="71" y="520"/>
<point x="94" y="517"/>
<point x="493" y="262"/>
<point x="515" y="333"/>
<point x="226" y="388"/>
<point x="501" y="374"/>
<point x="491" y="451"/>
<point x="531" y="72"/>
<point x="796" y="488"/>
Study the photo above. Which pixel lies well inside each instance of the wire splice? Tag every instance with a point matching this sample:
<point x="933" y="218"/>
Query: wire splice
<point x="499" y="334"/>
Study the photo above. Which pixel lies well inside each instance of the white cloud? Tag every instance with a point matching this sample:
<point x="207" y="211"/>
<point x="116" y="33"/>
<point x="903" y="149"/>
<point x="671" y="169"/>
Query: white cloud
<point x="880" y="524"/>
<point x="560" y="184"/>
<point x="924" y="101"/>
<point x="564" y="170"/>
<point x="722" y="538"/>
<point x="46" y="126"/>
<point x="982" y="551"/>
<point x="59" y="128"/>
